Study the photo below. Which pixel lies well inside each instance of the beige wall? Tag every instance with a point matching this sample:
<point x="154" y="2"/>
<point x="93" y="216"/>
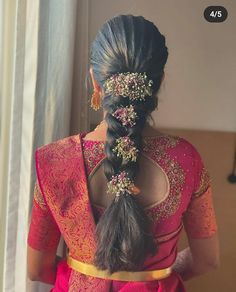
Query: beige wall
<point x="199" y="91"/>
<point x="217" y="151"/>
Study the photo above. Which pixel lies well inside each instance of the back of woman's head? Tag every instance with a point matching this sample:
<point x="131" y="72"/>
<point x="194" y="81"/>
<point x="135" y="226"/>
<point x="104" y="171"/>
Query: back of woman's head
<point x="126" y="43"/>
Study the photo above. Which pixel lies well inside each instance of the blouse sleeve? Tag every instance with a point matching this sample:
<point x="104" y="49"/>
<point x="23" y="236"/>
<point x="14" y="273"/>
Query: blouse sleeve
<point x="199" y="219"/>
<point x="44" y="234"/>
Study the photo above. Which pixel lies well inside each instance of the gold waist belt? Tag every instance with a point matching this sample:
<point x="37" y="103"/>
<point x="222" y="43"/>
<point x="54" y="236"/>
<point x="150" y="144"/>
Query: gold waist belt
<point x="91" y="270"/>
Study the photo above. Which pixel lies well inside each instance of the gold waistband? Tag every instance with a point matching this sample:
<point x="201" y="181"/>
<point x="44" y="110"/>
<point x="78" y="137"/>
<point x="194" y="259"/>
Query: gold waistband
<point x="91" y="270"/>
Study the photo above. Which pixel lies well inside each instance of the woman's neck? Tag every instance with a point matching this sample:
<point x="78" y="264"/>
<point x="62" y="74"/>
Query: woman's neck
<point x="101" y="129"/>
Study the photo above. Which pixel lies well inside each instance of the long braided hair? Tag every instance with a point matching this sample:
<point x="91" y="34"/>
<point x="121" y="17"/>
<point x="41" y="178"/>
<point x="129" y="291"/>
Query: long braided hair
<point x="126" y="43"/>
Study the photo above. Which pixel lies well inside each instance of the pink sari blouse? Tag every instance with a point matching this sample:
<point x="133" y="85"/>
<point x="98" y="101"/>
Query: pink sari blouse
<point x="61" y="207"/>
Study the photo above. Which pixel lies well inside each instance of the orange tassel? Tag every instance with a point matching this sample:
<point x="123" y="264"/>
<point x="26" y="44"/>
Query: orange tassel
<point x="135" y="190"/>
<point x="96" y="100"/>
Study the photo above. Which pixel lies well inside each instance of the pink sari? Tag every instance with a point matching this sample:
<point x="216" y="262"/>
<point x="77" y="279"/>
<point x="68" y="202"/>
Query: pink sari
<point x="62" y="207"/>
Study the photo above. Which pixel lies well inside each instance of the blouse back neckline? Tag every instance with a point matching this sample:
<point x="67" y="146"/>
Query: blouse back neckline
<point x="83" y="134"/>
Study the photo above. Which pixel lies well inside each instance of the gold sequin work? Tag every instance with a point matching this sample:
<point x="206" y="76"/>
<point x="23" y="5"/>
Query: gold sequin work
<point x="204" y="182"/>
<point x="38" y="197"/>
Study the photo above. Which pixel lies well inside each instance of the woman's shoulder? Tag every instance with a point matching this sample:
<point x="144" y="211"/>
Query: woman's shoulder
<point x="183" y="143"/>
<point x="189" y="146"/>
<point x="167" y="139"/>
<point x="185" y="151"/>
<point x="178" y="146"/>
<point x="60" y="146"/>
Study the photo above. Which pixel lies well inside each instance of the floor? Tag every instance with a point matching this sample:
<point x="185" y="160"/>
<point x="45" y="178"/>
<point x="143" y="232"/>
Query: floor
<point x="217" y="151"/>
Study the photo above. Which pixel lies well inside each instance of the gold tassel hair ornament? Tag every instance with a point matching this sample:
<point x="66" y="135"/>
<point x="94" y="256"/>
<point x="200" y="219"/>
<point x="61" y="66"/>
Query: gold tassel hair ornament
<point x="96" y="100"/>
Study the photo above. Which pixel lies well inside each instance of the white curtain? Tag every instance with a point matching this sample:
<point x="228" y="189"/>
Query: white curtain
<point x="38" y="41"/>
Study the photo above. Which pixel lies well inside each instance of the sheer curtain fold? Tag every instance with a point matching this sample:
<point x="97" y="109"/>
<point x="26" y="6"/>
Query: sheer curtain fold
<point x="38" y="40"/>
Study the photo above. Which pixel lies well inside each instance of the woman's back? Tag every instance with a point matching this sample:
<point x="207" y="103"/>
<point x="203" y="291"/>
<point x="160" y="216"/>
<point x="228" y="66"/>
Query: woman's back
<point x="171" y="176"/>
<point x="151" y="179"/>
<point x="187" y="200"/>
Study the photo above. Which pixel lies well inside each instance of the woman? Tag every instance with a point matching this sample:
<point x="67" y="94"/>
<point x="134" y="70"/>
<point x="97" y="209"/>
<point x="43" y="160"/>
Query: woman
<point x="121" y="194"/>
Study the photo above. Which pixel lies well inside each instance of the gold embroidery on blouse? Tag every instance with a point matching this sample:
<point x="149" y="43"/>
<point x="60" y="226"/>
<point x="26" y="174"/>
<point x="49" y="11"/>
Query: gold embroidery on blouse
<point x="174" y="171"/>
<point x="200" y="218"/>
<point x="176" y="177"/>
<point x="92" y="156"/>
<point x="204" y="183"/>
<point x="168" y="141"/>
<point x="38" y="197"/>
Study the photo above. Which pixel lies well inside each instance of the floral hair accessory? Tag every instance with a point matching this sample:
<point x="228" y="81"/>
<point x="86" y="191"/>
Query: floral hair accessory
<point x="122" y="183"/>
<point x="136" y="86"/>
<point x="126" y="115"/>
<point x="126" y="148"/>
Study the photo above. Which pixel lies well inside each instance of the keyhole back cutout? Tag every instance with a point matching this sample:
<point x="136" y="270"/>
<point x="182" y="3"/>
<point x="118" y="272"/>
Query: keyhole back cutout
<point x="151" y="179"/>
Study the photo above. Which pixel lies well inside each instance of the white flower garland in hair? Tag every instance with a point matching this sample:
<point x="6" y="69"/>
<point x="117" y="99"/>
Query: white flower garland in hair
<point x="136" y="86"/>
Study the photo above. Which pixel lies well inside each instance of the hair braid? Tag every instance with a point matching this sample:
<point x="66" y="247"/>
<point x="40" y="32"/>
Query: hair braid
<point x="131" y="232"/>
<point x="123" y="231"/>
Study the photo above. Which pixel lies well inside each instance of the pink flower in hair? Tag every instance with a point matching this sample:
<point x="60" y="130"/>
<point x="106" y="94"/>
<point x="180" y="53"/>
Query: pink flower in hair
<point x="126" y="149"/>
<point x="134" y="85"/>
<point x="122" y="183"/>
<point x="126" y="115"/>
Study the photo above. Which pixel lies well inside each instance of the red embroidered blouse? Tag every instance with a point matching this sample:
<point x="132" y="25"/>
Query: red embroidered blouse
<point x="188" y="203"/>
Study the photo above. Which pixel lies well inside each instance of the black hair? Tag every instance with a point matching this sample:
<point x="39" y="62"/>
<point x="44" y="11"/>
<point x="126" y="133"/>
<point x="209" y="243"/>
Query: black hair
<point x="126" y="43"/>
